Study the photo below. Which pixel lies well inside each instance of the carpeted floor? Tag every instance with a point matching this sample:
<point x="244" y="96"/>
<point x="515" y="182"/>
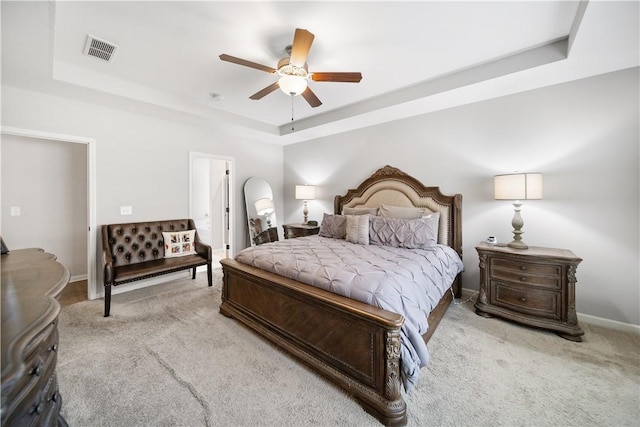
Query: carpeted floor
<point x="166" y="357"/>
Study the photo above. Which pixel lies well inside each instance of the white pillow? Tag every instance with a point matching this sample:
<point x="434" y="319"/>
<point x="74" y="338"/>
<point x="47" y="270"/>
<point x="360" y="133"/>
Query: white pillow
<point x="401" y="212"/>
<point x="360" y="211"/>
<point x="358" y="229"/>
<point x="179" y="243"/>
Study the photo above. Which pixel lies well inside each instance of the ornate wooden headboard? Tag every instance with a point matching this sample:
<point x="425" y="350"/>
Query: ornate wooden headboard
<point x="391" y="186"/>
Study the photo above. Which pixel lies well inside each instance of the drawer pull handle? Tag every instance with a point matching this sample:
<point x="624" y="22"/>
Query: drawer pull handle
<point x="523" y="299"/>
<point x="522" y="267"/>
<point x="37" y="370"/>
<point x="523" y="279"/>
<point x="38" y="409"/>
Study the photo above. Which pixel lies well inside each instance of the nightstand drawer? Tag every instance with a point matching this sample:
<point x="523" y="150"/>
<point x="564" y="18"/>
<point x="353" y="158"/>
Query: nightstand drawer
<point x="550" y="282"/>
<point x="527" y="267"/>
<point x="537" y="302"/>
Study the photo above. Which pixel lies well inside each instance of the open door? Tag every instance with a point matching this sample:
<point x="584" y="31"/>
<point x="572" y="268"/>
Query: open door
<point x="210" y="201"/>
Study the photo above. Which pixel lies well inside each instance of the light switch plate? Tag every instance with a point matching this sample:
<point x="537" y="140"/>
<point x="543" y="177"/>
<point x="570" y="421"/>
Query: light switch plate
<point x="126" y="210"/>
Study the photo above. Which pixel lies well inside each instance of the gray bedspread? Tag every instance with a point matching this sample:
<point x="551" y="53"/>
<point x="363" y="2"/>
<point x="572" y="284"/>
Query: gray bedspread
<point x="409" y="282"/>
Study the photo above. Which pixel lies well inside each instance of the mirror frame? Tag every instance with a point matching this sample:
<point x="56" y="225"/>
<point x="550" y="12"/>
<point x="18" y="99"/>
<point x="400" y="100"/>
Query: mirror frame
<point x="262" y="226"/>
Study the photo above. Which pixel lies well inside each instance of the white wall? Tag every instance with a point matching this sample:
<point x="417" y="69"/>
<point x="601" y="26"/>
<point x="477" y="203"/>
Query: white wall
<point x="217" y="168"/>
<point x="200" y="190"/>
<point x="47" y="180"/>
<point x="143" y="161"/>
<point x="583" y="136"/>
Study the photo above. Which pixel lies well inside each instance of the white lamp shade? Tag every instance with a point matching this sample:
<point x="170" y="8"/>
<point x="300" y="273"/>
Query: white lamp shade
<point x="264" y="206"/>
<point x="292" y="85"/>
<point x="305" y="192"/>
<point x="518" y="186"/>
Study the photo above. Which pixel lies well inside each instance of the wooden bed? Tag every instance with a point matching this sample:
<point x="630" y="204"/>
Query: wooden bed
<point x="362" y="354"/>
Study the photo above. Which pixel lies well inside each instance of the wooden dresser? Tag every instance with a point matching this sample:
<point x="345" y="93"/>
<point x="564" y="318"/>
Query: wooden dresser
<point x="31" y="282"/>
<point x="534" y="286"/>
<point x="299" y="230"/>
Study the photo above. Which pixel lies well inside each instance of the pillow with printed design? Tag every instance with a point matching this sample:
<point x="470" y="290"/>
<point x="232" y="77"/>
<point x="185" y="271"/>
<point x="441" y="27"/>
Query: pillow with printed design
<point x="179" y="243"/>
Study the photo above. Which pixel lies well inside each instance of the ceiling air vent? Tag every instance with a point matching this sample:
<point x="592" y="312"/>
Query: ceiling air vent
<point x="98" y="48"/>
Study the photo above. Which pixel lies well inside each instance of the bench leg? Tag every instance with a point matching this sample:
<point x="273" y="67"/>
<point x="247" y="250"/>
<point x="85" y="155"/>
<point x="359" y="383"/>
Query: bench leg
<point x="209" y="276"/>
<point x="107" y="300"/>
<point x="193" y="274"/>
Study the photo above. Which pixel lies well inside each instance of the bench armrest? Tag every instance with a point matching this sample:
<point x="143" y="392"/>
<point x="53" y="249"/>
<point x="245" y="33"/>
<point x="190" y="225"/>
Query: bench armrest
<point x="204" y="250"/>
<point x="107" y="258"/>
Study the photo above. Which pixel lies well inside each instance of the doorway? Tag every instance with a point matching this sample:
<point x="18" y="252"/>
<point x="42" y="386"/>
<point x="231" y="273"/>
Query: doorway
<point x="86" y="170"/>
<point x="210" y="201"/>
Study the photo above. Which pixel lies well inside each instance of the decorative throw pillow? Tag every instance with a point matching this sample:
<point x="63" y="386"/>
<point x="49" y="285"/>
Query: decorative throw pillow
<point x="400" y="212"/>
<point x="179" y="243"/>
<point x="360" y="211"/>
<point x="334" y="226"/>
<point x="419" y="233"/>
<point x="358" y="229"/>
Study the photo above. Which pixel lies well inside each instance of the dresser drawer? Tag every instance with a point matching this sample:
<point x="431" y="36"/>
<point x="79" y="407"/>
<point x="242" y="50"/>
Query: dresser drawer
<point x="43" y="412"/>
<point x="39" y="402"/>
<point x="544" y="275"/>
<point x="26" y="397"/>
<point x="524" y="299"/>
<point x="46" y="337"/>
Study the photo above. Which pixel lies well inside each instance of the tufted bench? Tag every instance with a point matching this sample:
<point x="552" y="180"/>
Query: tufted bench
<point x="136" y="251"/>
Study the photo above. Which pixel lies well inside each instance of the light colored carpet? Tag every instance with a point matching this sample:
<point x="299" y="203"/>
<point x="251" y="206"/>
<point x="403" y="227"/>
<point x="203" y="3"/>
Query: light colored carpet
<point x="166" y="357"/>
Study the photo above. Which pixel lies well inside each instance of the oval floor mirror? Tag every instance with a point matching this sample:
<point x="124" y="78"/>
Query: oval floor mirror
<point x="261" y="213"/>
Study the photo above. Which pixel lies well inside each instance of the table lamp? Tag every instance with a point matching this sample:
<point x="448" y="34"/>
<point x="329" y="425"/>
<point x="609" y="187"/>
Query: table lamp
<point x="518" y="186"/>
<point x="265" y="207"/>
<point x="305" y="192"/>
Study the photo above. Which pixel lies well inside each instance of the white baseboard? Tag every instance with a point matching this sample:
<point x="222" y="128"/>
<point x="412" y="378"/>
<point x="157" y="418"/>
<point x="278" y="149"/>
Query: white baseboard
<point x="607" y="323"/>
<point x="79" y="278"/>
<point x="584" y="318"/>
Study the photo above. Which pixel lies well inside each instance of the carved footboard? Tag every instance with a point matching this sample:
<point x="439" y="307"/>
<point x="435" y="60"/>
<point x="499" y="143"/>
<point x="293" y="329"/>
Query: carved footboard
<point x="353" y="344"/>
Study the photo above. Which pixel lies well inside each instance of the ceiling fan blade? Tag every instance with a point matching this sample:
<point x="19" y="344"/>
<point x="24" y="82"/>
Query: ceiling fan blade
<point x="337" y="77"/>
<point x="264" y="92"/>
<point x="311" y="97"/>
<point x="246" y="63"/>
<point x="300" y="49"/>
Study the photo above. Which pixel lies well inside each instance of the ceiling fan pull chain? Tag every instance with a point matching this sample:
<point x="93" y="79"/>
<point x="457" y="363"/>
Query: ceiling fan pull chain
<point x="292" y="112"/>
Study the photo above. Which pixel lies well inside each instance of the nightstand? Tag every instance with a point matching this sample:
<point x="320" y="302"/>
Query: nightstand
<point x="534" y="286"/>
<point x="299" y="230"/>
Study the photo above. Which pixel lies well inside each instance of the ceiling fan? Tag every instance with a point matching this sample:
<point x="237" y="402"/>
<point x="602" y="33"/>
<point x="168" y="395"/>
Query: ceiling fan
<point x="293" y="71"/>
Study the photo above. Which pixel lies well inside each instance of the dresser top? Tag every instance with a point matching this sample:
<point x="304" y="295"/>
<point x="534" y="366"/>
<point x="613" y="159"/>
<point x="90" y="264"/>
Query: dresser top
<point x="533" y="251"/>
<point x="31" y="279"/>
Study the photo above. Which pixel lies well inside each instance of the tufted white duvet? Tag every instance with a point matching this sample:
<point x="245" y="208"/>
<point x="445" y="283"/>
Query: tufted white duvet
<point x="409" y="282"/>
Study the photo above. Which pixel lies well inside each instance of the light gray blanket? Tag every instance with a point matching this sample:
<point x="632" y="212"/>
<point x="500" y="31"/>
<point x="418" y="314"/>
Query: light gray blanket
<point x="409" y="282"/>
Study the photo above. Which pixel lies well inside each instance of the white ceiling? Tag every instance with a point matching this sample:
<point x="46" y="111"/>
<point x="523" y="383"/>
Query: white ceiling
<point x="415" y="57"/>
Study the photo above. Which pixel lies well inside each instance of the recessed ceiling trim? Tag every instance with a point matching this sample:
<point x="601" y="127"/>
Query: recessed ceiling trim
<point x="99" y="48"/>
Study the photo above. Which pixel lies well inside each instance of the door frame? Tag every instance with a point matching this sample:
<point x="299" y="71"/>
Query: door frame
<point x="230" y="216"/>
<point x="92" y="231"/>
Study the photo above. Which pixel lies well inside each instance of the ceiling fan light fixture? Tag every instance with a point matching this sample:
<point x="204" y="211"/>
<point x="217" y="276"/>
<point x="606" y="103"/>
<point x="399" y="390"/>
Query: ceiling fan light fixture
<point x="292" y="85"/>
<point x="293" y="72"/>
